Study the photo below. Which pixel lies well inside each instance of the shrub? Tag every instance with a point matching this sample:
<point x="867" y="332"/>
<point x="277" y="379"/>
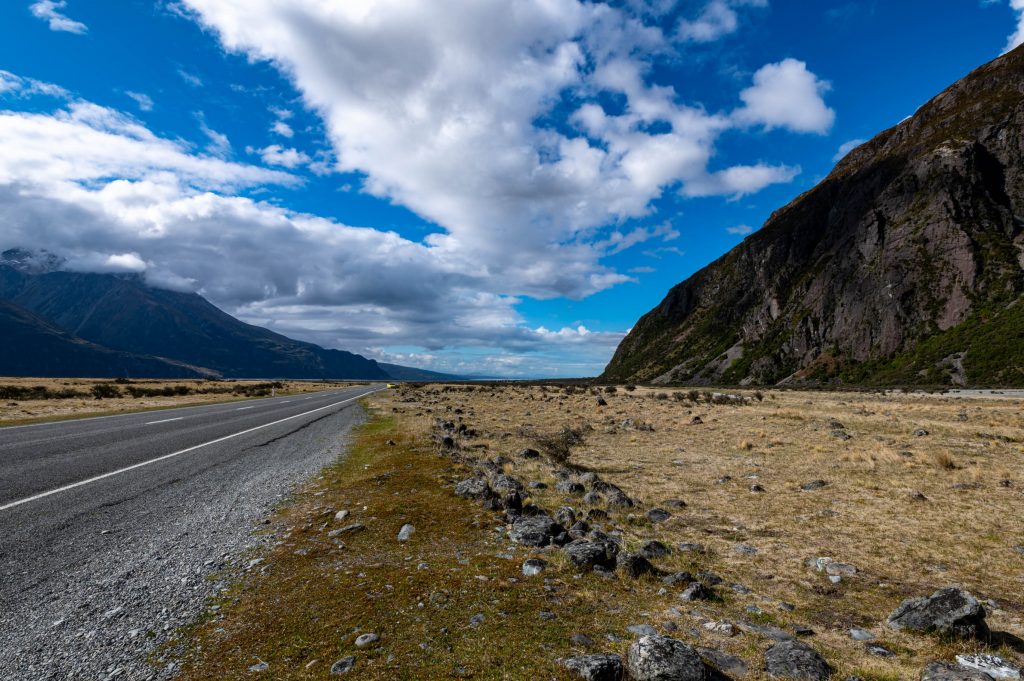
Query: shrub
<point x="105" y="391"/>
<point x="630" y="388"/>
<point x="558" y="446"/>
<point x="661" y="396"/>
<point x="611" y="390"/>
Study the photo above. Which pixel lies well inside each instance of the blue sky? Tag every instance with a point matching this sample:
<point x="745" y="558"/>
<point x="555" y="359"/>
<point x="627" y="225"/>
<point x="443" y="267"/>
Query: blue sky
<point x="473" y="186"/>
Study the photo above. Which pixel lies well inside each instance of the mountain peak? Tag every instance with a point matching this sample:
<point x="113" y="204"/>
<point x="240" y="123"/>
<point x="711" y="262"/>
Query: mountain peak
<point x="31" y="262"/>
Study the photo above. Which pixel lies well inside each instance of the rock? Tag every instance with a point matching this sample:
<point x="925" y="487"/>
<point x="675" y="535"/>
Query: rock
<point x="596" y="515"/>
<point x="474" y="488"/>
<point x="581" y="640"/>
<point x="534" y="566"/>
<point x="996" y="667"/>
<point x="586" y="555"/>
<point x="658" y="515"/>
<point x="840" y="569"/>
<point x="709" y="578"/>
<point x="659" y="658"/>
<point x="528" y="453"/>
<point x="504" y="484"/>
<point x="813" y="485"/>
<point x="341" y="515"/>
<point x="677" y="578"/>
<point x="601" y="402"/>
<point x="880" y="651"/>
<point x="674" y="503"/>
<point x="588" y="478"/>
<point x="596" y="667"/>
<point x="796" y="660"/>
<point x="366" y="639"/>
<point x="343" y="666"/>
<point x="348" y="529"/>
<point x="635" y="566"/>
<point x="940" y="671"/>
<point x="477" y="619"/>
<point x="696" y="421"/>
<point x="756" y="488"/>
<point x="259" y="667"/>
<point x="950" y="611"/>
<point x="861" y="635"/>
<point x="619" y="499"/>
<point x="920" y="432"/>
<point x="654" y="549"/>
<point x="774" y="633"/>
<point x="535" y="530"/>
<point x="570" y="487"/>
<point x="745" y="549"/>
<point x="579" y="530"/>
<point x="592" y="498"/>
<point x="547" y="615"/>
<point x="692" y="548"/>
<point x="565" y="516"/>
<point x="642" y="630"/>
<point x="537" y="485"/>
<point x="513" y="504"/>
<point x="723" y="662"/>
<point x="696" y="591"/>
<point x="405" y="534"/>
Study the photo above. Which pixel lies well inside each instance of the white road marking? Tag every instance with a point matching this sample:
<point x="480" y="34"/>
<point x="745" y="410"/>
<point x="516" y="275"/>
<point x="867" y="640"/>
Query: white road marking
<point x="150" y="423"/>
<point x="88" y="481"/>
<point x="241" y="408"/>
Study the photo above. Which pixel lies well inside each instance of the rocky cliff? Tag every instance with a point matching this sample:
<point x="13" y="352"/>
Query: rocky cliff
<point x="904" y="266"/>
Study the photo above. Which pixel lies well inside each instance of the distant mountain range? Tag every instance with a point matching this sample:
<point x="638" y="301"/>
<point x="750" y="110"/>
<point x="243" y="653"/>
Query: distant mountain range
<point x="904" y="266"/>
<point x="60" y="323"/>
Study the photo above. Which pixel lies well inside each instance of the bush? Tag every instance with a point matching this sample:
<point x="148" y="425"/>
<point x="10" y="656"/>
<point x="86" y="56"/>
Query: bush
<point x="105" y="391"/>
<point x="661" y="396"/>
<point x="630" y="388"/>
<point x="558" y="446"/>
<point x="611" y="390"/>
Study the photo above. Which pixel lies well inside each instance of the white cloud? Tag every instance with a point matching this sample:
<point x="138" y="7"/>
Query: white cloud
<point x="786" y="95"/>
<point x="144" y="101"/>
<point x="1017" y="37"/>
<point x="17" y="86"/>
<point x="738" y="181"/>
<point x="49" y="11"/>
<point x="283" y="129"/>
<point x="219" y="144"/>
<point x="276" y="155"/>
<point x="741" y="230"/>
<point x="717" y="18"/>
<point x="642" y="270"/>
<point x="190" y="79"/>
<point x="846" y="147"/>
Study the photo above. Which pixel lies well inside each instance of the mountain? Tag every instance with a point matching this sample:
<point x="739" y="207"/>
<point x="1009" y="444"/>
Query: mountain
<point x="123" y="314"/>
<point x="34" y="347"/>
<point x="401" y="373"/>
<point x="904" y="266"/>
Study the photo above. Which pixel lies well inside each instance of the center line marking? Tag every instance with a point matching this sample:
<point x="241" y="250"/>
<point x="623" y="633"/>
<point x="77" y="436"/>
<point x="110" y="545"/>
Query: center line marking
<point x="87" y="481"/>
<point x="150" y="423"/>
<point x="241" y="408"/>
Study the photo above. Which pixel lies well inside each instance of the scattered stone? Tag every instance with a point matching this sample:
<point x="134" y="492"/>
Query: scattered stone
<point x="692" y="548"/>
<point x="579" y="530"/>
<point x="949" y="611"/>
<point x="709" y="578"/>
<point x="658" y="515"/>
<point x="259" y="667"/>
<point x="619" y="499"/>
<point x="674" y="503"/>
<point x="677" y="578"/>
<point x="503" y="484"/>
<point x="528" y="453"/>
<point x="813" y="485"/>
<point x="642" y="630"/>
<point x="341" y="515"/>
<point x="796" y="660"/>
<point x="581" y="640"/>
<point x="654" y="549"/>
<point x="696" y="591"/>
<point x="723" y="662"/>
<point x="587" y="555"/>
<point x="745" y="549"/>
<point x="940" y="671"/>
<point x="659" y="658"/>
<point x="596" y="514"/>
<point x="535" y="530"/>
<point x="537" y="485"/>
<point x="474" y="488"/>
<point x="477" y="619"/>
<point x="366" y="639"/>
<point x="920" y="432"/>
<point x="880" y="651"/>
<point x="765" y="630"/>
<point x="405" y="534"/>
<point x="570" y="487"/>
<point x="635" y="566"/>
<point x="596" y="667"/>
<point x="996" y="667"/>
<point x="534" y="566"/>
<point x="696" y="421"/>
<point x="756" y="488"/>
<point x="592" y="498"/>
<point x="565" y="516"/>
<point x="547" y="615"/>
<point x="348" y="529"/>
<point x="861" y="635"/>
<point x="343" y="666"/>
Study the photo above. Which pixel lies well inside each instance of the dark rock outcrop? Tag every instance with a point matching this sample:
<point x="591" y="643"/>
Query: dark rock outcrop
<point x="949" y="611"/>
<point x="796" y="660"/>
<point x="659" y="658"/>
<point x="596" y="667"/>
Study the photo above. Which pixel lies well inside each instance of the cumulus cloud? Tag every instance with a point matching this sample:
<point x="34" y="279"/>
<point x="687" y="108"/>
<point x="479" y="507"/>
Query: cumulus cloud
<point x="50" y="12"/>
<point x="276" y="155"/>
<point x="144" y="101"/>
<point x="716" y="19"/>
<point x="786" y="95"/>
<point x="1017" y="37"/>
<point x="846" y="147"/>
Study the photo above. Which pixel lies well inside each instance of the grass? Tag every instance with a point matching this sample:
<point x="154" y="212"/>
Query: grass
<point x="908" y="521"/>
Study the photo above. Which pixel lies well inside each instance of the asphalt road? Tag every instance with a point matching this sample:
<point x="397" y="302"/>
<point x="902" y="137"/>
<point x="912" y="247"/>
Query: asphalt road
<point x="110" y="527"/>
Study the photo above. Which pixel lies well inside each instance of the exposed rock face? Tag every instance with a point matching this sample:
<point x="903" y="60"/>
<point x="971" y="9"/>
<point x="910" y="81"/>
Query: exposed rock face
<point x="537" y="530"/>
<point x="949" y="611"/>
<point x="659" y="658"/>
<point x="905" y="265"/>
<point x="596" y="667"/>
<point x="940" y="671"/>
<point x="796" y="660"/>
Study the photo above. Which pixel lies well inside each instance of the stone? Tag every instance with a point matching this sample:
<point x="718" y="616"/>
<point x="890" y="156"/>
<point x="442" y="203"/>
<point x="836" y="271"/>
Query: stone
<point x="658" y="515"/>
<point x="642" y="630"/>
<point x="674" y="503"/>
<point x="745" y="549"/>
<point x="348" y="529"/>
<point x="586" y="555"/>
<point x="547" y="615"/>
<point x="920" y="432"/>
<point x="535" y="530"/>
<point x="592" y="498"/>
<point x="565" y="516"/>
<point x="696" y="591"/>
<point x="596" y="515"/>
<point x="994" y="666"/>
<point x="534" y="566"/>
<point x="581" y="640"/>
<point x="940" y="671"/>
<point x="474" y="488"/>
<point x="880" y="651"/>
<point x="579" y="530"/>
<point x="619" y="499"/>
<point x="259" y="667"/>
<point x="503" y="484"/>
<point x="796" y="660"/>
<point x="692" y="548"/>
<point x="405" y="534"/>
<point x="635" y="566"/>
<point x="677" y="578"/>
<point x="654" y="549"/>
<point x="861" y="635"/>
<point x="660" y="658"/>
<point x="756" y="488"/>
<point x="774" y="633"/>
<point x="366" y="639"/>
<point x="341" y="515"/>
<point x="840" y="569"/>
<point x="813" y="485"/>
<point x="950" y="611"/>
<point x="570" y="487"/>
<point x="595" y="667"/>
<point x="723" y="662"/>
<point x="528" y="453"/>
<point x="343" y="666"/>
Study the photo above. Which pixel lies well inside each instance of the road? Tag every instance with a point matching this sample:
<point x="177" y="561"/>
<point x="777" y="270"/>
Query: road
<point x="110" y="527"/>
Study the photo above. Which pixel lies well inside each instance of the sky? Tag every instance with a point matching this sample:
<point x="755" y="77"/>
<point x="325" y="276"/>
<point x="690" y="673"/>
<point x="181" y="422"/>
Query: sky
<point x="480" y="187"/>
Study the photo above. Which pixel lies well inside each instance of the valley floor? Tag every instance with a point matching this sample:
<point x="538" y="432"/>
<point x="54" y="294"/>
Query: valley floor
<point x="905" y="494"/>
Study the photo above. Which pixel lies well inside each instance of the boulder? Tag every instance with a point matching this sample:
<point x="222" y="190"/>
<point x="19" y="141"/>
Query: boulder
<point x="659" y="658"/>
<point x="528" y="453"/>
<point x="343" y="666"/>
<point x="994" y="666"/>
<point x="570" y="487"/>
<point x="940" y="671"/>
<point x="566" y="516"/>
<point x="635" y="566"/>
<point x="579" y="530"/>
<point x="654" y="549"/>
<point x="474" y="488"/>
<point x="796" y="660"/>
<point x="950" y="611"/>
<point x="696" y="591"/>
<point x="535" y="530"/>
<point x="658" y="515"/>
<point x="587" y="555"/>
<point x="595" y="667"/>
<point x="534" y="566"/>
<point x="619" y="499"/>
<point x="723" y="662"/>
<point x="504" y="484"/>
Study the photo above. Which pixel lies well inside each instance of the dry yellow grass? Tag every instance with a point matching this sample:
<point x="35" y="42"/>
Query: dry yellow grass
<point x="19" y="410"/>
<point x="892" y="506"/>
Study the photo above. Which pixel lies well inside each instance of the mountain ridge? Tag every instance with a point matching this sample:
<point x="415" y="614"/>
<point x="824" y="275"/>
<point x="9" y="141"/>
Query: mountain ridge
<point x="904" y="265"/>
